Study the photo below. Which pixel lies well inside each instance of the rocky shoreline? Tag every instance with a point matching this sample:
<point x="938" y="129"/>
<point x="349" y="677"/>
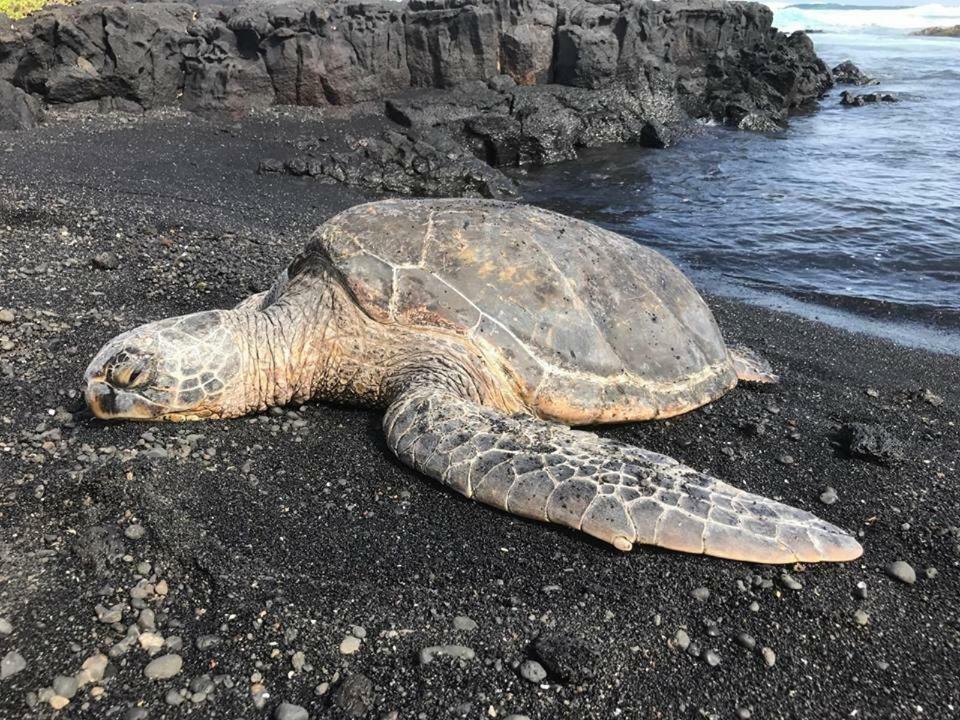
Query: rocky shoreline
<point x="497" y="83"/>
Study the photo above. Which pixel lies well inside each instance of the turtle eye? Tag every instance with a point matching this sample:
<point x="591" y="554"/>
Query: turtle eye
<point x="130" y="374"/>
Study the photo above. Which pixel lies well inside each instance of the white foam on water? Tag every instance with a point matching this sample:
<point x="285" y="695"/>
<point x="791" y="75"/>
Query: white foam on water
<point x="851" y="17"/>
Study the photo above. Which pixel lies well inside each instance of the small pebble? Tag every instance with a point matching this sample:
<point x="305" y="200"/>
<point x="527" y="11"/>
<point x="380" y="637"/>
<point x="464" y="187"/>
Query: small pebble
<point x="462" y="622"/>
<point x="861" y="617"/>
<point x="6" y="315"/>
<point x="202" y="684"/>
<point x="58" y="702"/>
<point x="11" y="664"/>
<point x="746" y="640"/>
<point x="111" y="615"/>
<point x="769" y="656"/>
<point x="700" y="594"/>
<point x="205" y="642"/>
<point x="828" y="496"/>
<point x="289" y="711"/>
<point x="65" y="685"/>
<point x="134" y="532"/>
<point x="429" y="654"/>
<point x="5" y="627"/>
<point x="790" y="582"/>
<point x="712" y="658"/>
<point x="93" y="669"/>
<point x="136" y="713"/>
<point x="349" y="645"/>
<point x="785" y="460"/>
<point x="298" y="661"/>
<point x="681" y="639"/>
<point x="147" y="620"/>
<point x="902" y="571"/>
<point x="163" y="667"/>
<point x="150" y="641"/>
<point x="533" y="671"/>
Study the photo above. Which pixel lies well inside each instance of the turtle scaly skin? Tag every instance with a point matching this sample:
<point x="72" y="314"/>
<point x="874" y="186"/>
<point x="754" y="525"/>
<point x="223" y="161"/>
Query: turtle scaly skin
<point x="485" y="330"/>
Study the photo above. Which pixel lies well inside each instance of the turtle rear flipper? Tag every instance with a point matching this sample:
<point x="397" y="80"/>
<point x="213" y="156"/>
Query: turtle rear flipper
<point x="751" y="367"/>
<point x="616" y="492"/>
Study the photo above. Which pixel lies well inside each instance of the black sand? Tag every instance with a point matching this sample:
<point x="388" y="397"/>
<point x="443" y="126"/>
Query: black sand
<point x="279" y="533"/>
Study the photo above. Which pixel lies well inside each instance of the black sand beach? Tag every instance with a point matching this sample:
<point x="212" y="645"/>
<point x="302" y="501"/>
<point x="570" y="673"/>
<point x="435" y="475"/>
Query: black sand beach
<point x="265" y="543"/>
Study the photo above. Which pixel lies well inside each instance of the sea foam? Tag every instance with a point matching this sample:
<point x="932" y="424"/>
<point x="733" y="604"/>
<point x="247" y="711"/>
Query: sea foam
<point x="836" y="17"/>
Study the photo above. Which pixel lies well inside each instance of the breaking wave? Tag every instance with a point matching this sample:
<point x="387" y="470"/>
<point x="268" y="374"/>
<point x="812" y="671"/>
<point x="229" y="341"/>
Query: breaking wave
<point x="838" y="17"/>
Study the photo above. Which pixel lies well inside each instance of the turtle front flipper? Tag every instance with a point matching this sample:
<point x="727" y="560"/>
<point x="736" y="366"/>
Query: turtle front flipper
<point x="616" y="492"/>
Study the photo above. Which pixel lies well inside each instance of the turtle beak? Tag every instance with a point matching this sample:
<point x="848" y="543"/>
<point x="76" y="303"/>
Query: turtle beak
<point x="109" y="403"/>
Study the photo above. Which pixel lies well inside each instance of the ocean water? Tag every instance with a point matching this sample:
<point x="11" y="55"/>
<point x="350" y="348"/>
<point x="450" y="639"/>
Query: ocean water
<point x="852" y="215"/>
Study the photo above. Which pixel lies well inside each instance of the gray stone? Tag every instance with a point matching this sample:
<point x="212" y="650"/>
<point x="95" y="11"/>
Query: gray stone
<point x="110" y="615"/>
<point x="298" y="661"/>
<point x="5" y="627"/>
<point x="746" y="640"/>
<point x="163" y="667"/>
<point x="147" y="620"/>
<point x="12" y="663"/>
<point x="700" y="594"/>
<point x="289" y="711"/>
<point x="65" y="685"/>
<point x="462" y="622"/>
<point x="205" y="642"/>
<point x="135" y="531"/>
<point x="712" y="658"/>
<point x="349" y="645"/>
<point x="769" y="656"/>
<point x="790" y="582"/>
<point x="201" y="684"/>
<point x="681" y="639"/>
<point x="18" y="110"/>
<point x="533" y="671"/>
<point x="429" y="654"/>
<point x="902" y="571"/>
<point x="828" y="496"/>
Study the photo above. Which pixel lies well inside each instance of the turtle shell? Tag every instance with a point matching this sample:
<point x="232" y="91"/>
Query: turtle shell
<point x="592" y="326"/>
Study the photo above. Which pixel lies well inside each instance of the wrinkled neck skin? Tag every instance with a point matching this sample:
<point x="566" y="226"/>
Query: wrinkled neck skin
<point x="284" y="350"/>
<point x="316" y="342"/>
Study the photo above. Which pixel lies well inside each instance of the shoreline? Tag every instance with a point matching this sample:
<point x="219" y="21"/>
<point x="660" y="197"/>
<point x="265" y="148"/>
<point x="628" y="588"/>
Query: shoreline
<point x="265" y="543"/>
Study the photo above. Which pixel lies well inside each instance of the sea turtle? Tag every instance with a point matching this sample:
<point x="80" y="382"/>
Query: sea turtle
<point x="486" y="330"/>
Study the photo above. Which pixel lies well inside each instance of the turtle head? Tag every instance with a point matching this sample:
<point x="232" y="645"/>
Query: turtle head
<point x="182" y="368"/>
